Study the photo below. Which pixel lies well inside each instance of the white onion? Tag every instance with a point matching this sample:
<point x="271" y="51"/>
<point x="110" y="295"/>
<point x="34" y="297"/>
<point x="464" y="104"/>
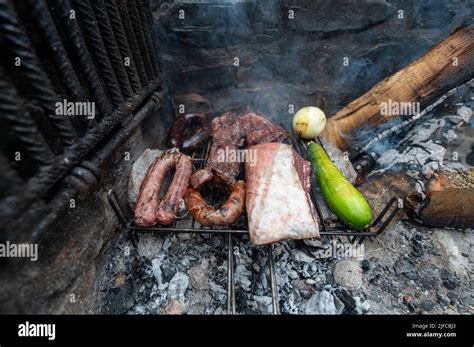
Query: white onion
<point x="309" y="122"/>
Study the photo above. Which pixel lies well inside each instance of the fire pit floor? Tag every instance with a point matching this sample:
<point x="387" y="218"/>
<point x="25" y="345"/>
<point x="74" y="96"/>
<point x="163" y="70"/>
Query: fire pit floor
<point x="403" y="271"/>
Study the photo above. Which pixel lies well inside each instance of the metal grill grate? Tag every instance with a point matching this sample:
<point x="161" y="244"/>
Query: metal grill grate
<point x="97" y="51"/>
<point x="375" y="229"/>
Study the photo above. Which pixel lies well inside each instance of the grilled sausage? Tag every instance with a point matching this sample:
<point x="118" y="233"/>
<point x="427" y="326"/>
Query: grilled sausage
<point x="226" y="215"/>
<point x="197" y="139"/>
<point x="200" y="177"/>
<point x="176" y="134"/>
<point x="149" y="210"/>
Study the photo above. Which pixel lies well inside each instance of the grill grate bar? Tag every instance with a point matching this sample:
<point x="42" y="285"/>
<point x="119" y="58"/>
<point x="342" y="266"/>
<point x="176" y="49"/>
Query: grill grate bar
<point x="139" y="36"/>
<point x="113" y="200"/>
<point x="144" y="12"/>
<point x="9" y="177"/>
<point x="273" y="281"/>
<point x="202" y="230"/>
<point x="111" y="45"/>
<point x="45" y="23"/>
<point x="230" y="277"/>
<point x="97" y="45"/>
<point x="78" y="45"/>
<point x="19" y="44"/>
<point x="22" y="124"/>
<point x="166" y="230"/>
<point x="137" y="58"/>
<point x="122" y="41"/>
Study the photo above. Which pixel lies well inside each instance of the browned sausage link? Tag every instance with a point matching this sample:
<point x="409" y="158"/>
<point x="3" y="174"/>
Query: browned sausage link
<point x="200" y="177"/>
<point x="148" y="199"/>
<point x="169" y="206"/>
<point x="226" y="215"/>
<point x="176" y="133"/>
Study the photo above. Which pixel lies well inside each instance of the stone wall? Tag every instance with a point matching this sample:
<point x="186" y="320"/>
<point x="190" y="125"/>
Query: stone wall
<point x="293" y="51"/>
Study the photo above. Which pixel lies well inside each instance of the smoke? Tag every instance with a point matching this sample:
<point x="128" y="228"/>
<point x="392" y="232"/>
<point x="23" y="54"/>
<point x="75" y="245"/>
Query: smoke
<point x="277" y="58"/>
<point x="369" y="132"/>
<point x="234" y="55"/>
<point x="270" y="70"/>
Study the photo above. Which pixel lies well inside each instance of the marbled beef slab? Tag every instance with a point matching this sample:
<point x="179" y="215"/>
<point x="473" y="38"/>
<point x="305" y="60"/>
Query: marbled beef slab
<point x="278" y="201"/>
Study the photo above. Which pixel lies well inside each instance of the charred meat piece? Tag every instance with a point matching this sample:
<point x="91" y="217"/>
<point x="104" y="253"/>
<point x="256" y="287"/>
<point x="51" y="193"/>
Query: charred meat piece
<point x="149" y="210"/>
<point x="278" y="201"/>
<point x="258" y="129"/>
<point x="227" y="136"/>
<point x="229" y="133"/>
<point x="226" y="215"/>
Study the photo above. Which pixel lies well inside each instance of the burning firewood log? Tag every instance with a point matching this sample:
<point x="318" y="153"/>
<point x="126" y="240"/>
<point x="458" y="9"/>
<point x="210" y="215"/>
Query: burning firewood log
<point x="431" y="185"/>
<point x="379" y="189"/>
<point x="448" y="200"/>
<point x="447" y="65"/>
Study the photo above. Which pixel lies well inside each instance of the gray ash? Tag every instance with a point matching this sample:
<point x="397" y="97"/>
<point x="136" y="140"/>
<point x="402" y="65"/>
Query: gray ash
<point x="187" y="274"/>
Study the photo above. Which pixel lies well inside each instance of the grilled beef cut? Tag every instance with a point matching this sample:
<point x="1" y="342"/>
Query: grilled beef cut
<point x="258" y="129"/>
<point x="229" y="133"/>
<point x="278" y="198"/>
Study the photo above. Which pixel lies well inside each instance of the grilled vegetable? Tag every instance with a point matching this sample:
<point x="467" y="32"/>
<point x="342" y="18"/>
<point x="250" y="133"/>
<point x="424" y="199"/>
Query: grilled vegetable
<point x="343" y="198"/>
<point x="309" y="122"/>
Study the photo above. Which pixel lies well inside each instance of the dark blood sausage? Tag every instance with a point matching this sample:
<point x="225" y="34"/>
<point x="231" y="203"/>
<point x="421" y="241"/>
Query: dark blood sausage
<point x="197" y="139"/>
<point x="226" y="215"/>
<point x="176" y="135"/>
<point x="149" y="210"/>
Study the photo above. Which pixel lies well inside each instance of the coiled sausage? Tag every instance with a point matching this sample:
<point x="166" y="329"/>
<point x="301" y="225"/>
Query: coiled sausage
<point x="226" y="215"/>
